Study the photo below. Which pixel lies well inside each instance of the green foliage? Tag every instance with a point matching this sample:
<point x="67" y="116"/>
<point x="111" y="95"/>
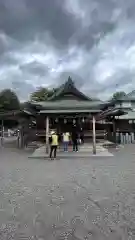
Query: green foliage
<point x="9" y="100"/>
<point x="118" y="95"/>
<point x="42" y="94"/>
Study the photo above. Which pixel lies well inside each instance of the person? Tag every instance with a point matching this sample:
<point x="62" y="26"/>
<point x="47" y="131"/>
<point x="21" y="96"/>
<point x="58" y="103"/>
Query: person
<point x="54" y="139"/>
<point x="9" y="133"/>
<point x="75" y="139"/>
<point x="82" y="136"/>
<point x="66" y="137"/>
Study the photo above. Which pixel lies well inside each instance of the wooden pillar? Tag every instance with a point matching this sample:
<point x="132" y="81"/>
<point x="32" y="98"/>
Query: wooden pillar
<point x="114" y="130"/>
<point x="21" y="137"/>
<point x="47" y="134"/>
<point x="94" y="135"/>
<point x="18" y="138"/>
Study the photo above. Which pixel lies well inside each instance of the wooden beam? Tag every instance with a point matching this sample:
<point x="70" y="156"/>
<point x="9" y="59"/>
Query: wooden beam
<point x="47" y="134"/>
<point x="94" y="135"/>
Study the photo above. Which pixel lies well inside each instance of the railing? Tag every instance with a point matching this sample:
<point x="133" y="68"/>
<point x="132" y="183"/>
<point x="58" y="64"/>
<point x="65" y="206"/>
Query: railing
<point x="125" y="137"/>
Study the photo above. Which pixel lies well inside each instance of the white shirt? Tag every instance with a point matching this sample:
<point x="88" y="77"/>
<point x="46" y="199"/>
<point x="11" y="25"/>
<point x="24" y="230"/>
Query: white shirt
<point x="66" y="137"/>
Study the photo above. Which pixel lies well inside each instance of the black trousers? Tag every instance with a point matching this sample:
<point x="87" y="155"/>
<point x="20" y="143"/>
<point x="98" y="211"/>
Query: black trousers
<point x="53" y="151"/>
<point x="75" y="146"/>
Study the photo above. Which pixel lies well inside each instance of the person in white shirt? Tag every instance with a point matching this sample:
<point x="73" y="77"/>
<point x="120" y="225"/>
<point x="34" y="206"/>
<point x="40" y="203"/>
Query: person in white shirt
<point x="66" y="138"/>
<point x="9" y="133"/>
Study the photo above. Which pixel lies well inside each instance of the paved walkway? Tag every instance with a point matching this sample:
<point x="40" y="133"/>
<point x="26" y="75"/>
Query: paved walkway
<point x="85" y="151"/>
<point x="67" y="200"/>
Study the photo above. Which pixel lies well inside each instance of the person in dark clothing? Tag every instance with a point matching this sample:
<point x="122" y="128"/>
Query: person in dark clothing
<point x="75" y="139"/>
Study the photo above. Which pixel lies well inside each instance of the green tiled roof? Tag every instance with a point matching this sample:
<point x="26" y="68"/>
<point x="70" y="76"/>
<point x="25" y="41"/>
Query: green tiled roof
<point x="129" y="115"/>
<point x="69" y="104"/>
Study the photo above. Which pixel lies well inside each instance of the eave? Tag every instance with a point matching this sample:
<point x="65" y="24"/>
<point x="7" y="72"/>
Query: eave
<point x="112" y="112"/>
<point x="14" y="115"/>
<point x="65" y="111"/>
<point x="68" y="104"/>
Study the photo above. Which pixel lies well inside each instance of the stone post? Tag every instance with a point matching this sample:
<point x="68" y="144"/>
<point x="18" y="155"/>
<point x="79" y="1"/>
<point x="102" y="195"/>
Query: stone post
<point x="94" y="135"/>
<point x="47" y="135"/>
<point x="2" y="132"/>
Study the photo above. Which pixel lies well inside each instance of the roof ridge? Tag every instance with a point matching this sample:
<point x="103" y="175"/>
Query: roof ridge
<point x="65" y="87"/>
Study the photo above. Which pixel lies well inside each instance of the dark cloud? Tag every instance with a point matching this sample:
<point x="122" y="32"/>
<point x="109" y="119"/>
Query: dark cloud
<point x="91" y="35"/>
<point x="35" y="68"/>
<point x="44" y="41"/>
<point x="37" y="17"/>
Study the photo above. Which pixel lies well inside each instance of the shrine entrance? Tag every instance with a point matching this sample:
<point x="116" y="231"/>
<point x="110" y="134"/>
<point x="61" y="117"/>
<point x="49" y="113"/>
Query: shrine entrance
<point x="66" y="124"/>
<point x="63" y="124"/>
<point x="68" y="107"/>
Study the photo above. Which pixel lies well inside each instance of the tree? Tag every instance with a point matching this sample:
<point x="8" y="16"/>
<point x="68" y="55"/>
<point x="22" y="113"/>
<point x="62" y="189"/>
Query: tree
<point x="9" y="100"/>
<point x="42" y="94"/>
<point x="118" y="95"/>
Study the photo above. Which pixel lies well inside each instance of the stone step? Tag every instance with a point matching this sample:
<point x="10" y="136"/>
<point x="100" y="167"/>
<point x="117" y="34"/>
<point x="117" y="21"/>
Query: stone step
<point x="84" y="150"/>
<point x="73" y="155"/>
<point x="41" y="153"/>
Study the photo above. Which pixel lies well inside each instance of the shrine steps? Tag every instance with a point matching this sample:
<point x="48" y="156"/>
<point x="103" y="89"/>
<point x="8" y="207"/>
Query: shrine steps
<point x="85" y="151"/>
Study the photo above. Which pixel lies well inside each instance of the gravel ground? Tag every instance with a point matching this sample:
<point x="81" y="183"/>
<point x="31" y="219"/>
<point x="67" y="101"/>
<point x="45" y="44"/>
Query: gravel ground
<point x="67" y="199"/>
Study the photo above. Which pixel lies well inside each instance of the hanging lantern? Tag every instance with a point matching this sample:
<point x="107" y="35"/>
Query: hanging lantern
<point x="83" y="120"/>
<point x="74" y="121"/>
<point x="65" y="121"/>
<point x="56" y="120"/>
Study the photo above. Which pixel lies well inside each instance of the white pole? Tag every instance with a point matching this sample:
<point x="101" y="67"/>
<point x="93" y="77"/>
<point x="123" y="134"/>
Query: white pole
<point x="94" y="136"/>
<point x="47" y="134"/>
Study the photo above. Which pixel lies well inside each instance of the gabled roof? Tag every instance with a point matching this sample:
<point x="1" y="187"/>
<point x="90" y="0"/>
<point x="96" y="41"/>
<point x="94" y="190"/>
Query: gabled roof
<point x="69" y="88"/>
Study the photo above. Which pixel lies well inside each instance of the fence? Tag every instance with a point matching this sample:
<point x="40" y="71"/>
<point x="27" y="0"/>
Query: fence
<point x="122" y="137"/>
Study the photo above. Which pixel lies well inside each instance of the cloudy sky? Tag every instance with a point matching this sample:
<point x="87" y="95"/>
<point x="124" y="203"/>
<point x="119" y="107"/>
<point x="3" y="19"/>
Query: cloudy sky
<point x="42" y="42"/>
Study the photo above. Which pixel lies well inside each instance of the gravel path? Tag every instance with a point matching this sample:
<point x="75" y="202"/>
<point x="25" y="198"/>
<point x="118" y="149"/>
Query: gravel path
<point x="67" y="199"/>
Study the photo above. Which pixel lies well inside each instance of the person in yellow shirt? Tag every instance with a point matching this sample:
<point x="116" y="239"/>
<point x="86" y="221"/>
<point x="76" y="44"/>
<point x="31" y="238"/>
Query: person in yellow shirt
<point x="54" y="141"/>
